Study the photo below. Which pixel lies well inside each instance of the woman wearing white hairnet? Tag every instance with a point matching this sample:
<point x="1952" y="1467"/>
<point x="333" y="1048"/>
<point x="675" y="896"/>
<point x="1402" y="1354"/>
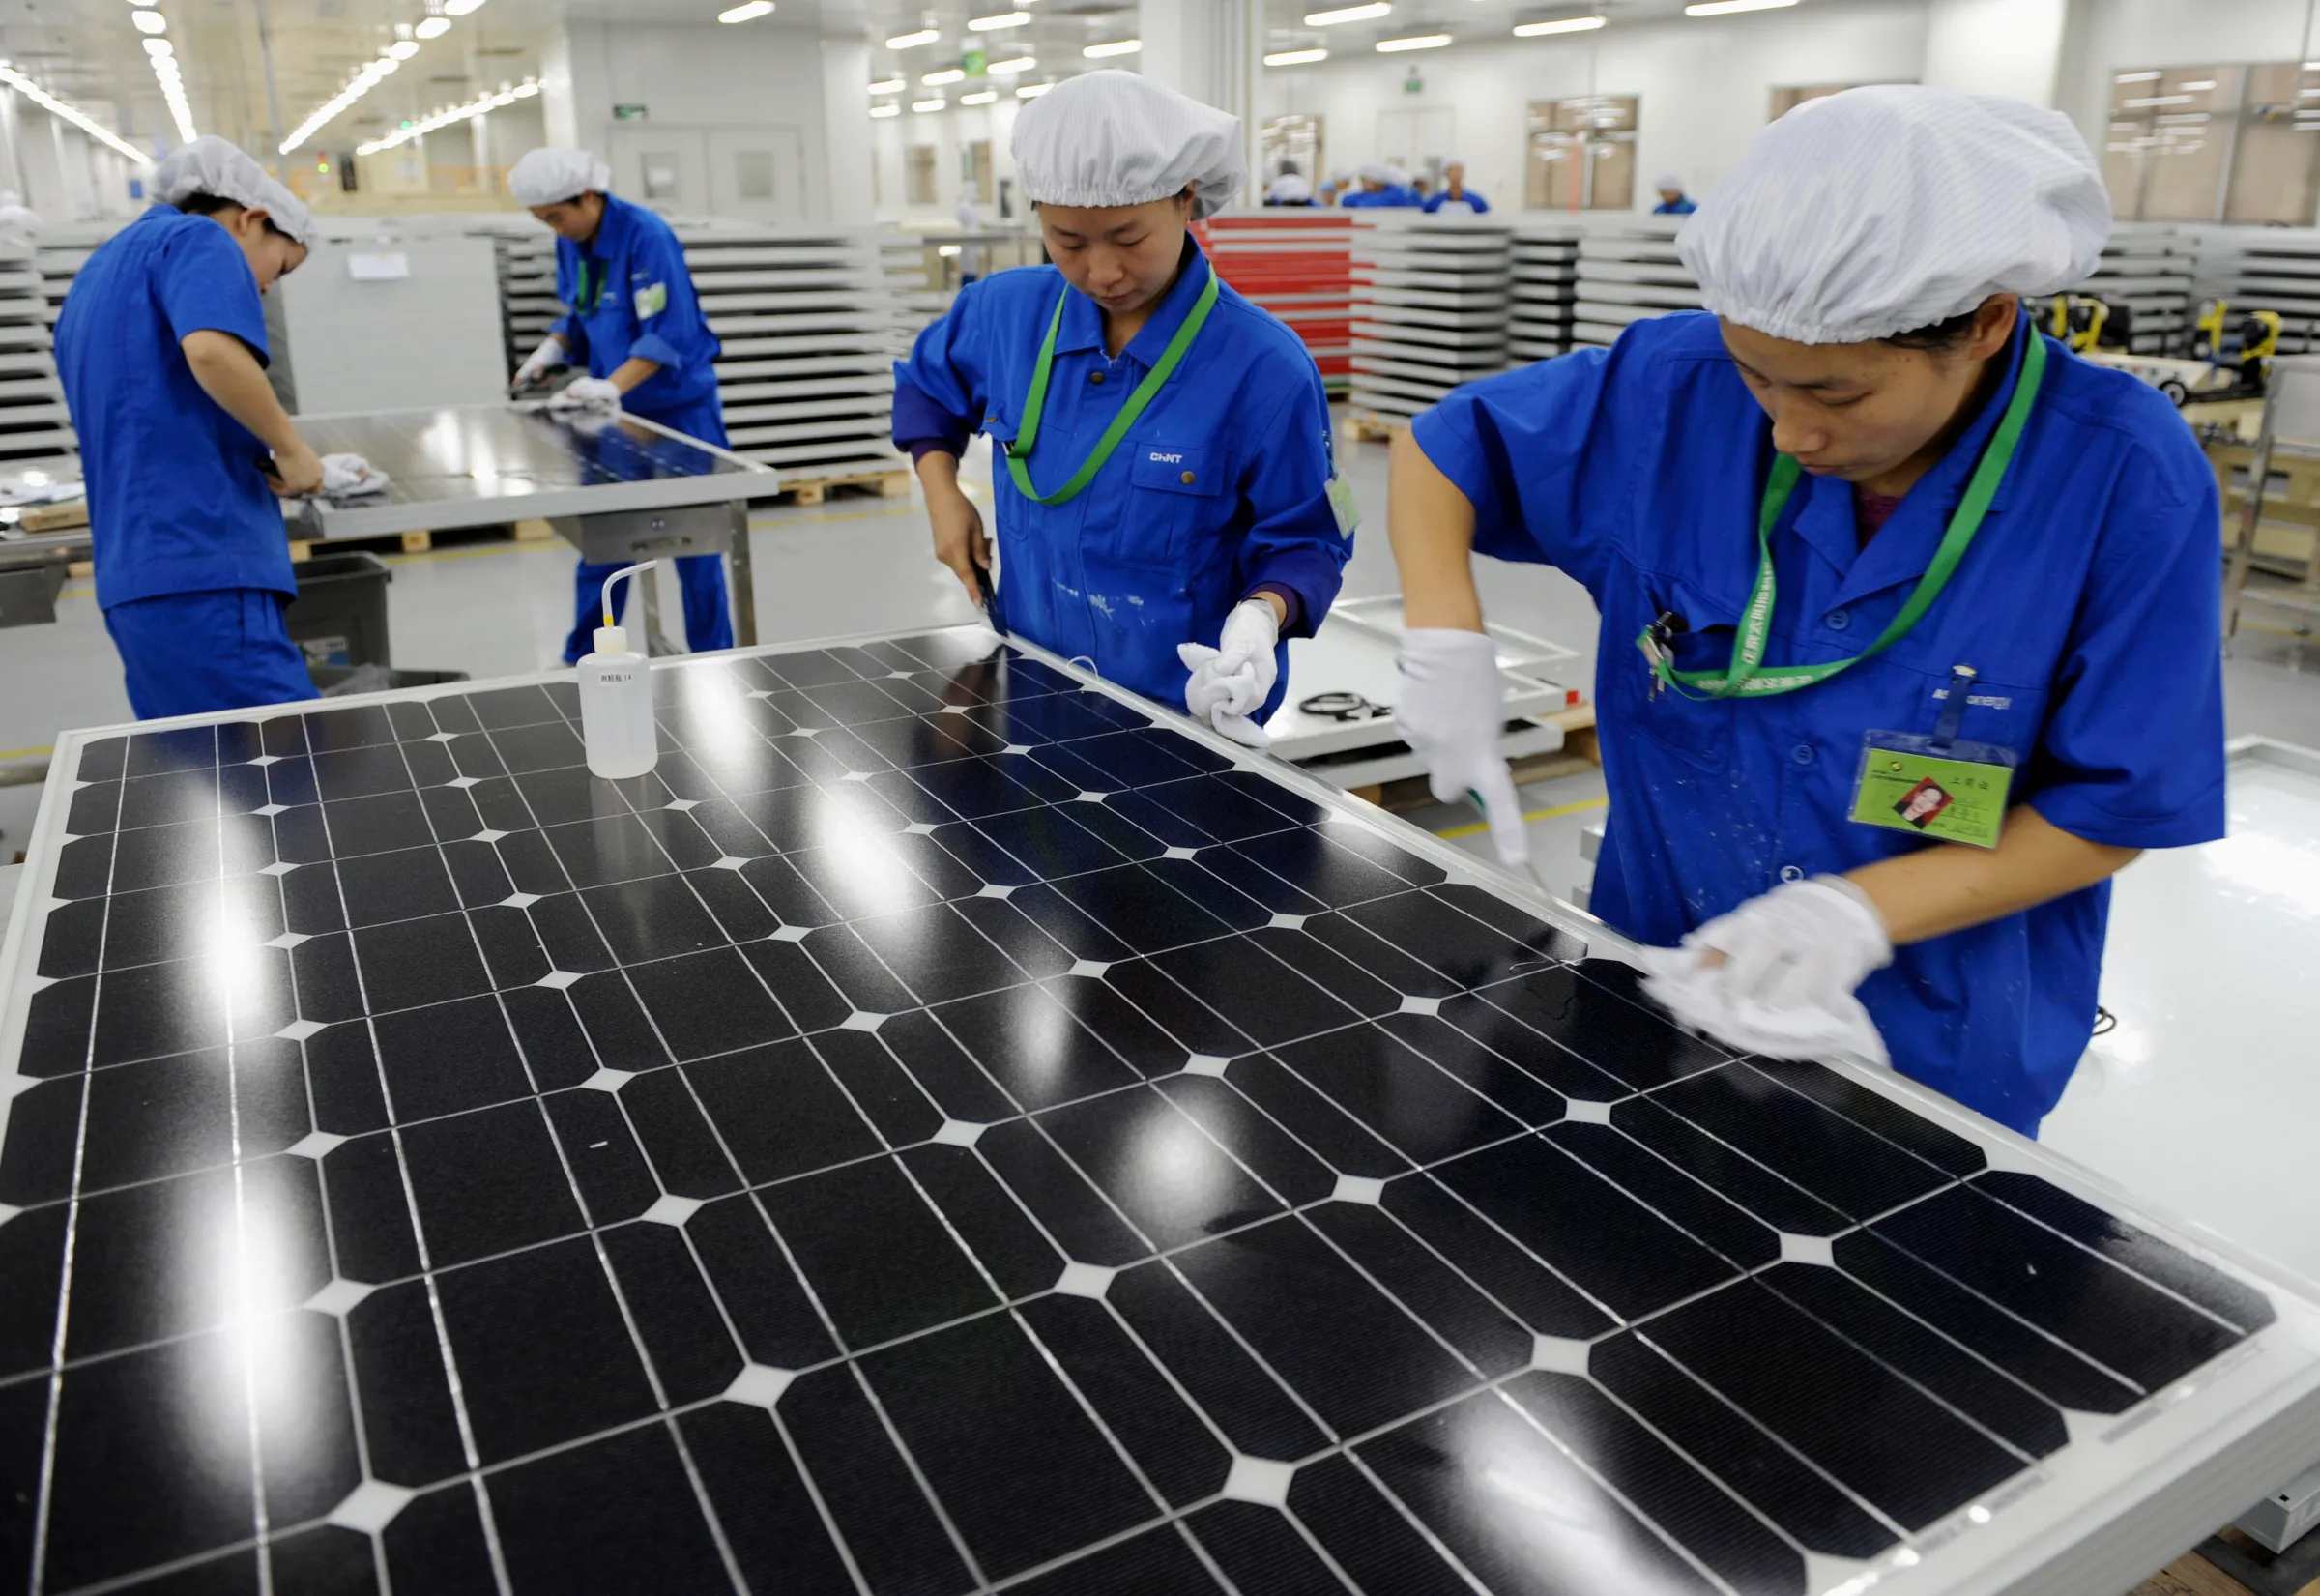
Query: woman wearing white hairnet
<point x="635" y="322"/>
<point x="162" y="349"/>
<point x="1909" y="616"/>
<point x="1168" y="505"/>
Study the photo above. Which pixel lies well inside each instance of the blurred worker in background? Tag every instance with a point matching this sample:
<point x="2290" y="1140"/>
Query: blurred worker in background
<point x="1673" y="201"/>
<point x="17" y="218"/>
<point x="1167" y="506"/>
<point x="1289" y="186"/>
<point x="162" y="349"/>
<point x="636" y="322"/>
<point x="1456" y="196"/>
<point x="1380" y="188"/>
<point x="1910" y="616"/>
<point x="969" y="214"/>
<point x="1341" y="185"/>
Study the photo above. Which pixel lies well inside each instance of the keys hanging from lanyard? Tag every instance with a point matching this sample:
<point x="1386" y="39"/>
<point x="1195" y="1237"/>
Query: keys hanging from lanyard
<point x="1019" y="452"/>
<point x="1745" y="677"/>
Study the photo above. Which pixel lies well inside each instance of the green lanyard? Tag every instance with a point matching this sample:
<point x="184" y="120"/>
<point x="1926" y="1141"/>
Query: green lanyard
<point x="1018" y="452"/>
<point x="1742" y="678"/>
<point x="589" y="291"/>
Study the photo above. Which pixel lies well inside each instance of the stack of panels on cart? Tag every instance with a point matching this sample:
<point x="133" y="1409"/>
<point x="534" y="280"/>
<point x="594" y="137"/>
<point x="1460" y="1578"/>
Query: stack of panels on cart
<point x="943" y="1132"/>
<point x="1430" y="308"/>
<point x="1629" y="272"/>
<point x="1295" y="263"/>
<point x="36" y="428"/>
<point x="2148" y="269"/>
<point x="528" y="303"/>
<point x="2274" y="269"/>
<point x="1546" y="289"/>
<point x="917" y="302"/>
<point x="810" y="324"/>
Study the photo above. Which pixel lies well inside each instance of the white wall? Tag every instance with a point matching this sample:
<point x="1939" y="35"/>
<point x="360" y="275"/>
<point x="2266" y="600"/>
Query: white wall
<point x="1996" y="46"/>
<point x="1705" y="83"/>
<point x="692" y="76"/>
<point x="950" y="131"/>
<point x="2129" y="35"/>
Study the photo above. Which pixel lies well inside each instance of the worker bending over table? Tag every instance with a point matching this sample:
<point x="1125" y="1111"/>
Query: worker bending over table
<point x="1168" y="505"/>
<point x="636" y="322"/>
<point x="161" y="350"/>
<point x="1909" y="615"/>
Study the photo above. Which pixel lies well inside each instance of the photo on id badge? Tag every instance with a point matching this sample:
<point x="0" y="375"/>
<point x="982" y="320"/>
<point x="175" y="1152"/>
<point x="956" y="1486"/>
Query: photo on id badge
<point x="1922" y="803"/>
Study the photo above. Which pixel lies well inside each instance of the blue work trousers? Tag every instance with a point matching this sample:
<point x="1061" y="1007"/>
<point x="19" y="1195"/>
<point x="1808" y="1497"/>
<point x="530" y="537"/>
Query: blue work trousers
<point x="189" y="653"/>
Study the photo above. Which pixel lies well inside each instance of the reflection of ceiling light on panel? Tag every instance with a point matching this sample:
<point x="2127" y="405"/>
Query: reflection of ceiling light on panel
<point x="1005" y="20"/>
<point x="912" y="41"/>
<point x="749" y="10"/>
<point x="1725" y="8"/>
<point x="1295" y="58"/>
<point x="1561" y="24"/>
<point x="1348" y="14"/>
<point x="1118" y="47"/>
<point x="1415" y="42"/>
<point x="2136" y="78"/>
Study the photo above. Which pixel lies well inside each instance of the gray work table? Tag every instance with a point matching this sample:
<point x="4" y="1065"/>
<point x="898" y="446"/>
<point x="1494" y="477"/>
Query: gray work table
<point x="616" y="487"/>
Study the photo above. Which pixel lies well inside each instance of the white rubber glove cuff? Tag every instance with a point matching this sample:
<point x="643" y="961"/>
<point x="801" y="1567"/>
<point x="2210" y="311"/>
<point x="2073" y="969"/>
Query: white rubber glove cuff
<point x="589" y="393"/>
<point x="541" y="361"/>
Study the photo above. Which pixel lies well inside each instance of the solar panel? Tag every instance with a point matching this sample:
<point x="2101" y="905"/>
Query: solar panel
<point x="947" y="1130"/>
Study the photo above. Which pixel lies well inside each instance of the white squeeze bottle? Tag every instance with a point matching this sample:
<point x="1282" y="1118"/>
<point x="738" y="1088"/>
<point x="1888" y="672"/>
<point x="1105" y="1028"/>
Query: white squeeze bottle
<point x="616" y="699"/>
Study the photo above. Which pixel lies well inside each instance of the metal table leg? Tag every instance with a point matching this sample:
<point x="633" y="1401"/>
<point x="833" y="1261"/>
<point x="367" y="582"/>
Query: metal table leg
<point x="741" y="580"/>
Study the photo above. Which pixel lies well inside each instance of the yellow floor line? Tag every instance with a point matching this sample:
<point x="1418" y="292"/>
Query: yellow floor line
<point x="1555" y="813"/>
<point x="26" y="753"/>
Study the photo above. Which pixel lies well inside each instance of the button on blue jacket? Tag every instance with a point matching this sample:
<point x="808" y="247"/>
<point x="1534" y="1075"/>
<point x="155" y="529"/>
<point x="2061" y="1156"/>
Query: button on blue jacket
<point x="2088" y="603"/>
<point x="1219" y="488"/>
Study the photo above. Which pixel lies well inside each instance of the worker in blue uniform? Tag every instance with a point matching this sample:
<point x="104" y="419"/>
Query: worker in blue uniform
<point x="161" y="350"/>
<point x="1168" y="504"/>
<point x="636" y="322"/>
<point x="1673" y="201"/>
<point x="1455" y="197"/>
<point x="1910" y="634"/>
<point x="1381" y="188"/>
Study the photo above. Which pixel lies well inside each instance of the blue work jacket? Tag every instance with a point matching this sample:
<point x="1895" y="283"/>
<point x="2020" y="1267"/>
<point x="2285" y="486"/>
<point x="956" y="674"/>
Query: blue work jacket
<point x="630" y="294"/>
<point x="1392" y="196"/>
<point x="1221" y="487"/>
<point x="2087" y="603"/>
<point x="1676" y="208"/>
<point x="1434" y="202"/>
<point x="177" y="500"/>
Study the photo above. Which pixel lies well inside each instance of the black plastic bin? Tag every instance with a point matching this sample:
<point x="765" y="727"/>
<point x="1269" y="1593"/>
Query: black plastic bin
<point x="340" y="616"/>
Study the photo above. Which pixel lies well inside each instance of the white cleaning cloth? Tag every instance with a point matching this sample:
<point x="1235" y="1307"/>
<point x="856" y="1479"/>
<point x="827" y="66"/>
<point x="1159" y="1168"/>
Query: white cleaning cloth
<point x="351" y="477"/>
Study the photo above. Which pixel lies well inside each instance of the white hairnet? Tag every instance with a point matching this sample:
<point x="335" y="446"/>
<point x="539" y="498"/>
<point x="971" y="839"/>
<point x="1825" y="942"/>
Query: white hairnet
<point x="211" y="166"/>
<point x="550" y="177"/>
<point x="1670" y="184"/>
<point x="1377" y="171"/>
<point x="1883" y="209"/>
<point x="1339" y="176"/>
<point x="1115" y="138"/>
<point x="1449" y="162"/>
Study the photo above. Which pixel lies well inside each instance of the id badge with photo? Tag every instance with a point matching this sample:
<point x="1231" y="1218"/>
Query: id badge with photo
<point x="1944" y="788"/>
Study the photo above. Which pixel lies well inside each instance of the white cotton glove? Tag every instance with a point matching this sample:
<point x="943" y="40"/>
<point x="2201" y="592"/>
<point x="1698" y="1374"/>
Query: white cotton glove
<point x="588" y="394"/>
<point x="535" y="370"/>
<point x="1230" y="681"/>
<point x="1452" y="714"/>
<point x="1791" y="960"/>
<point x="350" y="476"/>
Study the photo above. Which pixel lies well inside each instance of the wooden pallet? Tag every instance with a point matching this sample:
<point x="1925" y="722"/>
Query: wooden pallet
<point x="534" y="531"/>
<point x="886" y="484"/>
<point x="1374" y="426"/>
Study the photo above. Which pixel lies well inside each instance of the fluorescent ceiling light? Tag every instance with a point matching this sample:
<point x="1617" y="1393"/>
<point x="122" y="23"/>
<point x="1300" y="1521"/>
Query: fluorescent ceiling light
<point x="1032" y="91"/>
<point x="1118" y="47"/>
<point x="1415" y="42"/>
<point x="443" y="118"/>
<point x="889" y="85"/>
<point x="948" y="75"/>
<point x="886" y="111"/>
<point x="1725" y="7"/>
<point x="1295" y="58"/>
<point x="48" y="102"/>
<point x="460" y="8"/>
<point x="149" y="22"/>
<point x="749" y="10"/>
<point x="1347" y="14"/>
<point x="912" y="41"/>
<point x="991" y="24"/>
<point x="927" y="106"/>
<point x="981" y="97"/>
<point x="157" y="47"/>
<point x="1012" y="66"/>
<point x="525" y="90"/>
<point x="403" y="49"/>
<point x="1561" y="24"/>
<point x="433" y="27"/>
<point x="2200" y="87"/>
<point x="2136" y="78"/>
